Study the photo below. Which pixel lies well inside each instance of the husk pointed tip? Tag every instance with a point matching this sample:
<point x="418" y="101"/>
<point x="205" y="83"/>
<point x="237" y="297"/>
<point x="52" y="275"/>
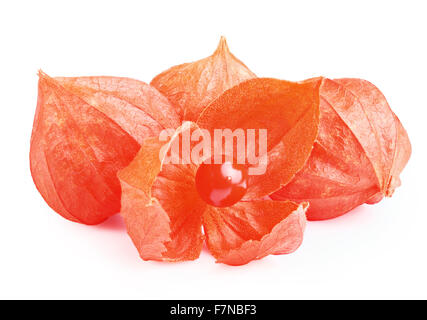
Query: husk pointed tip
<point x="41" y="74"/>
<point x="44" y="77"/>
<point x="222" y="46"/>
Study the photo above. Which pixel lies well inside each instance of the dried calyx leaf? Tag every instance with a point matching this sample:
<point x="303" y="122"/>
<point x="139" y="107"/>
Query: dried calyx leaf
<point x="85" y="130"/>
<point x="253" y="230"/>
<point x="359" y="154"/>
<point x="192" y="86"/>
<point x="160" y="204"/>
<point x="288" y="111"/>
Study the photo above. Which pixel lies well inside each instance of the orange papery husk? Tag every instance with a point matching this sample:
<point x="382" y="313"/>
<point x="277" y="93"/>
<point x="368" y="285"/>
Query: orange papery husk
<point x="85" y="130"/>
<point x="192" y="86"/>
<point x="359" y="153"/>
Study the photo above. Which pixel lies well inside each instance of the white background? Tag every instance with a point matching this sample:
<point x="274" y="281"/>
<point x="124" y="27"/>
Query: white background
<point x="373" y="252"/>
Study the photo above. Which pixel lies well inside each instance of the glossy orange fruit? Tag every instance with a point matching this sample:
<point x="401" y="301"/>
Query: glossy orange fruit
<point x="222" y="185"/>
